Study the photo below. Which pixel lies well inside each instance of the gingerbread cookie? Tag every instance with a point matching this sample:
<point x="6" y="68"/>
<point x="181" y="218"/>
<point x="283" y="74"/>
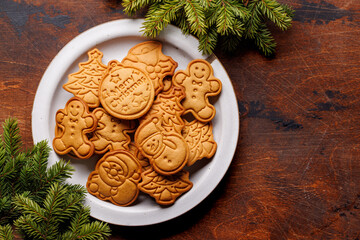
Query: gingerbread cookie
<point x="166" y="151"/>
<point x="85" y="83"/>
<point x="144" y="162"/>
<point x="200" y="139"/>
<point x="111" y="133"/>
<point x="199" y="83"/>
<point x="167" y="81"/>
<point x="168" y="109"/>
<point x="126" y="92"/>
<point x="148" y="57"/>
<point x="115" y="178"/>
<point x="165" y="189"/>
<point x="72" y="124"/>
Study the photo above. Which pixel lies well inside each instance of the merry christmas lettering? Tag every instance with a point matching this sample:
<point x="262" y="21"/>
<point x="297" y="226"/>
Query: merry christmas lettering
<point x="124" y="88"/>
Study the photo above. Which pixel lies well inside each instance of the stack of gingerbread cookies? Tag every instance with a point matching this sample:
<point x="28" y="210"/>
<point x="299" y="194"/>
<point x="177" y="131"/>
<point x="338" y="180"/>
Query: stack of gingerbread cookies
<point x="146" y="121"/>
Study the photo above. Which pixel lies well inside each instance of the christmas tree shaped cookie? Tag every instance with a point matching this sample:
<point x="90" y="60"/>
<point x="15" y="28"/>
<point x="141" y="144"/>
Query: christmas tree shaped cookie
<point x="85" y="83"/>
<point x="200" y="139"/>
<point x="165" y="189"/>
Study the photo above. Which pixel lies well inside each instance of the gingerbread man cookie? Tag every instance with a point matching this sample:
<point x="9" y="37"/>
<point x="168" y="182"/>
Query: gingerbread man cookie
<point x="199" y="83"/>
<point x="115" y="178"/>
<point x="126" y="92"/>
<point x="85" y="82"/>
<point x="72" y="124"/>
<point x="166" y="151"/>
<point x="148" y="57"/>
<point x="111" y="133"/>
<point x="165" y="189"/>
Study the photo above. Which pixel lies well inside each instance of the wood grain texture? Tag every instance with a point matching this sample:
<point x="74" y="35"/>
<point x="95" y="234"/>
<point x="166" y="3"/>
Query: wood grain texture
<point x="296" y="171"/>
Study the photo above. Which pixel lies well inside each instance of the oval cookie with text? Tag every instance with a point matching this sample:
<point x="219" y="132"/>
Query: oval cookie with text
<point x="126" y="92"/>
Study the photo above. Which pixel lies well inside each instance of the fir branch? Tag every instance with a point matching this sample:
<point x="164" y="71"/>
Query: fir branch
<point x="206" y="4"/>
<point x="230" y="43"/>
<point x="94" y="231"/>
<point x="29" y="227"/>
<point x="195" y="16"/>
<point x="132" y="6"/>
<point x="239" y="9"/>
<point x="59" y="172"/>
<point x="11" y="136"/>
<point x="229" y="13"/>
<point x="233" y="20"/>
<point x="2" y="155"/>
<point x="81" y="218"/>
<point x="159" y="16"/>
<point x="276" y="13"/>
<point x="34" y="198"/>
<point x="73" y="201"/>
<point x="6" y="232"/>
<point x="55" y="199"/>
<point x="264" y="40"/>
<point x="253" y="21"/>
<point x="30" y="207"/>
<point x="181" y="22"/>
<point x="40" y="155"/>
<point x="225" y="18"/>
<point x="289" y="11"/>
<point x="207" y="42"/>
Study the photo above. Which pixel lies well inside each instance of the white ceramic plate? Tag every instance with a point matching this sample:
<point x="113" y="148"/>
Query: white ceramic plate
<point x="114" y="39"/>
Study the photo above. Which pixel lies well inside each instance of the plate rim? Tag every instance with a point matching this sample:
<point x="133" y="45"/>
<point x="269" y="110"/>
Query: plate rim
<point x="39" y="117"/>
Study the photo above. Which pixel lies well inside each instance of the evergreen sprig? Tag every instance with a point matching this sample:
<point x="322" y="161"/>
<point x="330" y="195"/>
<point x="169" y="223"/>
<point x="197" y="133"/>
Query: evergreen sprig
<point x="213" y="21"/>
<point x="34" y="198"/>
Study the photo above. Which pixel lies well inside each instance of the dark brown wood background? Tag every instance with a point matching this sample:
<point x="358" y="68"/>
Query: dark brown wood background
<point x="296" y="171"/>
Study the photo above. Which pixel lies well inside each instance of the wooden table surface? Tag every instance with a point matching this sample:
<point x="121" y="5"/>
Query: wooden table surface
<point x="296" y="170"/>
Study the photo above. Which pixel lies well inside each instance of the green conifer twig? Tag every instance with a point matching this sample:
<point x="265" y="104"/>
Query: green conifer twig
<point x="214" y="21"/>
<point x="35" y="199"/>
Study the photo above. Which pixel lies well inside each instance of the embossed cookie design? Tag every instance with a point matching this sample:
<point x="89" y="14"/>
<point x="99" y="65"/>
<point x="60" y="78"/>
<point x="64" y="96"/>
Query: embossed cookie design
<point x="168" y="109"/>
<point x="166" y="151"/>
<point x="148" y="57"/>
<point x="165" y="189"/>
<point x="85" y="83"/>
<point x="115" y="178"/>
<point x="72" y="124"/>
<point x="200" y="139"/>
<point x="144" y="162"/>
<point x="199" y="83"/>
<point x="111" y="133"/>
<point x="126" y="92"/>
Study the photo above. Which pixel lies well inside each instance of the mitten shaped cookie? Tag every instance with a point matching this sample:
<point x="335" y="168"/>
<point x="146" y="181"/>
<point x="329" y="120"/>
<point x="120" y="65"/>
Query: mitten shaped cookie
<point x="72" y="124"/>
<point x="115" y="178"/>
<point x="199" y="83"/>
<point x="148" y="57"/>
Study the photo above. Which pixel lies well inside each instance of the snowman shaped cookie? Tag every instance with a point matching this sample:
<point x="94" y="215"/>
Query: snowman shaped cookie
<point x="167" y="151"/>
